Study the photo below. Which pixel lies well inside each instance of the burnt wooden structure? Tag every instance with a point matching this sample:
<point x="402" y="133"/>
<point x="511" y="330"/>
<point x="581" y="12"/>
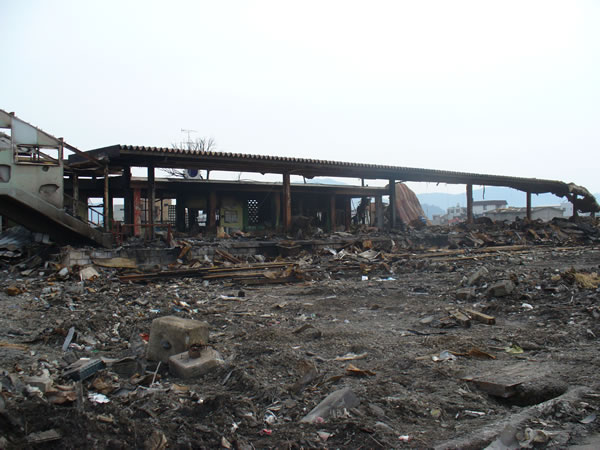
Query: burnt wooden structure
<point x="119" y="159"/>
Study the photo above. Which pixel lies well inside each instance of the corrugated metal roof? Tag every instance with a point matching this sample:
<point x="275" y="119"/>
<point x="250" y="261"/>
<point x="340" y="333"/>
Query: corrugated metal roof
<point x="293" y="161"/>
<point x="143" y="156"/>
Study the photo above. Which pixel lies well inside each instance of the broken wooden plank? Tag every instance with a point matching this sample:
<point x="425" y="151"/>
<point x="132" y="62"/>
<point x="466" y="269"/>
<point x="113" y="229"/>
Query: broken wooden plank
<point x="461" y="318"/>
<point x="442" y="253"/>
<point x="480" y="317"/>
<point x="227" y="256"/>
<point x="199" y="272"/>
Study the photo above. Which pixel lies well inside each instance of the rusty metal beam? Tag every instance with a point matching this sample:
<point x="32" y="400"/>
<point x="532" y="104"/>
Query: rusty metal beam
<point x="528" y="205"/>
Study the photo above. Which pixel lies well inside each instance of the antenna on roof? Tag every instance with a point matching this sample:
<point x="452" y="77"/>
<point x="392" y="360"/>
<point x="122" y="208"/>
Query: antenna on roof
<point x="189" y="139"/>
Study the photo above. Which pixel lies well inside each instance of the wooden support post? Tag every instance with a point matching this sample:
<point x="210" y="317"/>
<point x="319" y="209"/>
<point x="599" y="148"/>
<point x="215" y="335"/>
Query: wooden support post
<point x="379" y="212"/>
<point x="287" y="203"/>
<point x="105" y="210"/>
<point x="151" y="200"/>
<point x="332" y="218"/>
<point x="392" y="188"/>
<point x="347" y="213"/>
<point x="528" y="205"/>
<point x="212" y="210"/>
<point x="137" y="212"/>
<point x="469" y="203"/>
<point x="75" y="183"/>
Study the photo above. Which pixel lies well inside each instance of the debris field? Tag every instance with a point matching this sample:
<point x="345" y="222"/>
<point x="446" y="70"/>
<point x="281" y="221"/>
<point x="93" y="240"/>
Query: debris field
<point x="476" y="336"/>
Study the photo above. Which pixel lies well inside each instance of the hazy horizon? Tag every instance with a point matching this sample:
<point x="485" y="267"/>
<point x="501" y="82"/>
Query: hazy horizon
<point x="506" y="88"/>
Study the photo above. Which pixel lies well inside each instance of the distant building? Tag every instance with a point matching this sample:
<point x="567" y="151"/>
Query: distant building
<point x="567" y="208"/>
<point x="545" y="213"/>
<point x="482" y="206"/>
<point x="454" y="214"/>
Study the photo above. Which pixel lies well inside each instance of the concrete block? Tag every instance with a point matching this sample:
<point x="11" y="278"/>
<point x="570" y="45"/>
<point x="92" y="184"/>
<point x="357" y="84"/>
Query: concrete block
<point x="501" y="288"/>
<point x="183" y="366"/>
<point x="171" y="335"/>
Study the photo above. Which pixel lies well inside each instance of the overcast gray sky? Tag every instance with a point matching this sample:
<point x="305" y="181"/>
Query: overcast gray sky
<point x="506" y="87"/>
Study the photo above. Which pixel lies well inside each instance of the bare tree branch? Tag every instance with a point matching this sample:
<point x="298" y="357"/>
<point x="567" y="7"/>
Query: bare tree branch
<point x="197" y="145"/>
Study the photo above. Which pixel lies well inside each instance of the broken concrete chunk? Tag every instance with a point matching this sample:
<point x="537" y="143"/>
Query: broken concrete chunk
<point x="183" y="366"/>
<point x="501" y="288"/>
<point x="476" y="277"/>
<point x="465" y="294"/>
<point x="42" y="383"/>
<point x="89" y="273"/>
<point x="171" y="335"/>
<point x="332" y="404"/>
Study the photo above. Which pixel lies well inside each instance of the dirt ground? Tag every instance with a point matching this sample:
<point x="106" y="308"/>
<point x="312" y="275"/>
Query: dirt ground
<point x="287" y="347"/>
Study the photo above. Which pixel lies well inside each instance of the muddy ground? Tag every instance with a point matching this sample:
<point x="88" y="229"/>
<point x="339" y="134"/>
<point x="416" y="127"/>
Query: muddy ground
<point x="280" y="344"/>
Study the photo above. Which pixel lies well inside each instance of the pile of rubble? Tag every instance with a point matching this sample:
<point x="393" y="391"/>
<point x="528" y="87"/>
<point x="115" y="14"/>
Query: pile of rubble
<point x="385" y="341"/>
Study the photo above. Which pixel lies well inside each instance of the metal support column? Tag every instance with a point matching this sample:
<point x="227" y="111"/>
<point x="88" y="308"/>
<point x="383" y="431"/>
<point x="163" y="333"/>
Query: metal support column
<point x="332" y="217"/>
<point x="180" y="213"/>
<point x="469" y="203"/>
<point x="127" y="196"/>
<point x="151" y="200"/>
<point x="528" y="205"/>
<point x="75" y="182"/>
<point x="392" y="188"/>
<point x="106" y="211"/>
<point x="212" y="210"/>
<point x="137" y="212"/>
<point x="379" y="212"/>
<point x="287" y="202"/>
<point x="347" y="213"/>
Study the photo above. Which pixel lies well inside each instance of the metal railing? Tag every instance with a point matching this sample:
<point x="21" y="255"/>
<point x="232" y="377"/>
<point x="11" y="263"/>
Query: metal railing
<point x="95" y="217"/>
